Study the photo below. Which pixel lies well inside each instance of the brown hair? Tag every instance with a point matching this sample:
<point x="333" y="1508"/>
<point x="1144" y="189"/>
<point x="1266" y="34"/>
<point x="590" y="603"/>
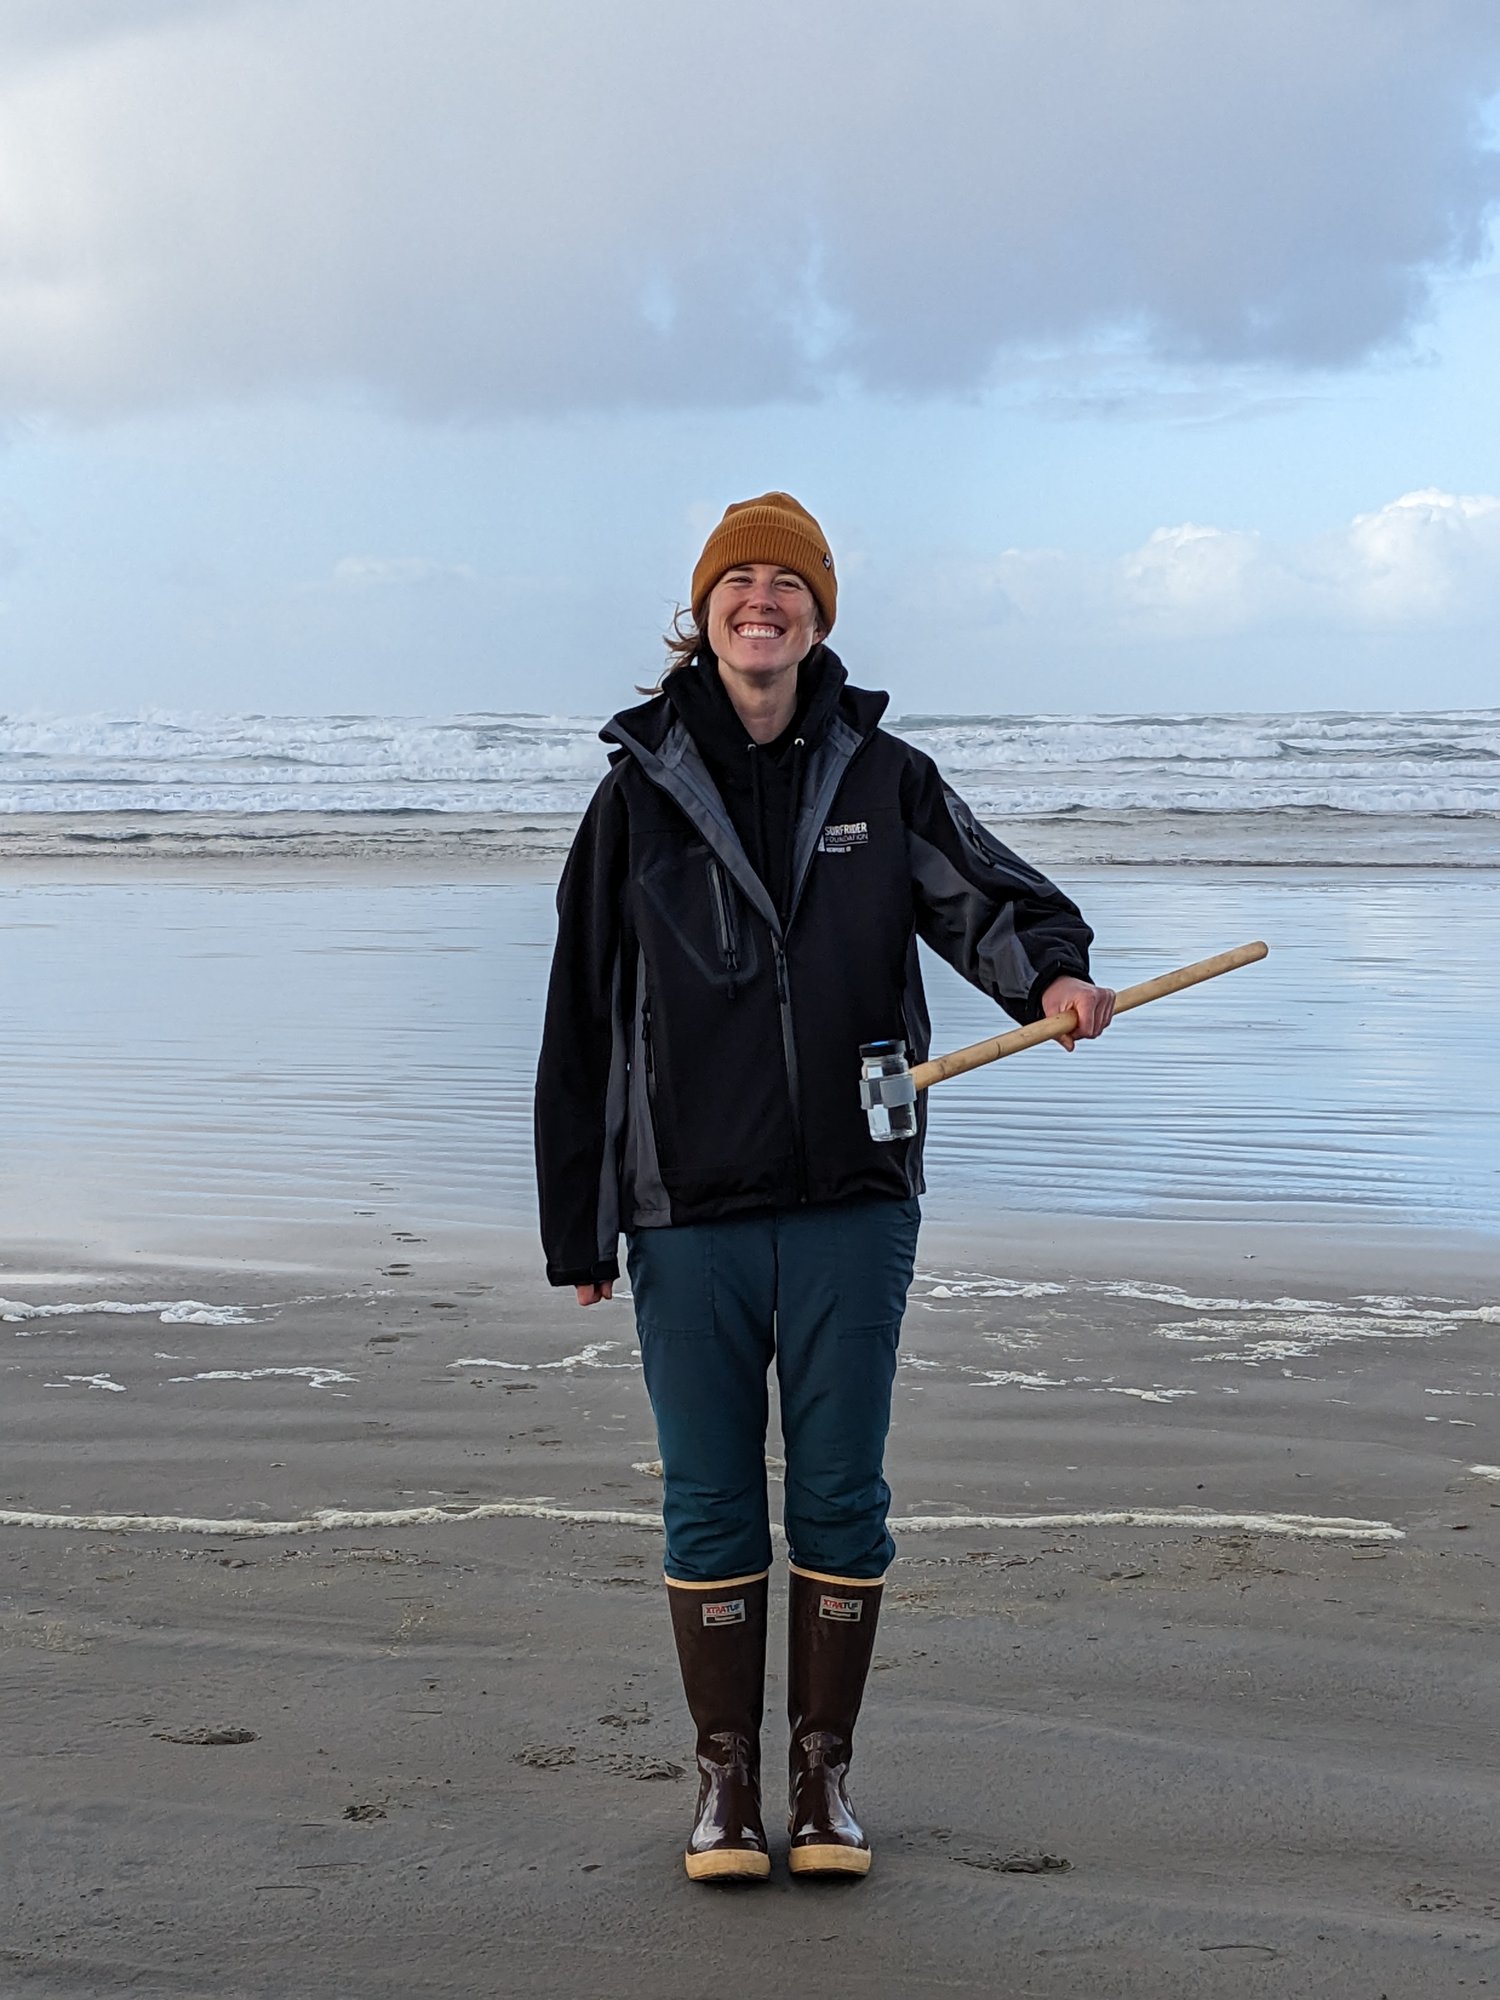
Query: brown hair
<point x="682" y="639"/>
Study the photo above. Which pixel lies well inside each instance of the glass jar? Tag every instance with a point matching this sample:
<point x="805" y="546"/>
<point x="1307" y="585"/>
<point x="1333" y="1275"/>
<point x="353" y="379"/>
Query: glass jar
<point x="886" y="1090"/>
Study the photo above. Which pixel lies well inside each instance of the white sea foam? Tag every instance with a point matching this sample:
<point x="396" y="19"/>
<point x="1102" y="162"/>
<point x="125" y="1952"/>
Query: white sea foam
<point x="587" y="1357"/>
<point x="327" y="1520"/>
<point x="1014" y="1378"/>
<point x="1440" y="762"/>
<point x="1286" y="1336"/>
<point x="985" y="1287"/>
<point x="1147" y="1395"/>
<point x="1243" y="1331"/>
<point x="315" y="1378"/>
<point x="171" y="1312"/>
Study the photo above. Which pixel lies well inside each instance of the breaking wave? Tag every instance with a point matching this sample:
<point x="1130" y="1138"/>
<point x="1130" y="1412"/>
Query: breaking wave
<point x="1444" y="762"/>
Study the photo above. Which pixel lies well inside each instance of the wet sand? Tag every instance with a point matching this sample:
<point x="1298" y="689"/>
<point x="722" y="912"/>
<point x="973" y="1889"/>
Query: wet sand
<point x="85" y="846"/>
<point x="205" y="1059"/>
<point x="1237" y="1742"/>
<point x="333" y="1659"/>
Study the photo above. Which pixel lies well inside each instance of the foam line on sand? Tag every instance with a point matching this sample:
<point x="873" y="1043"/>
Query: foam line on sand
<point x="326" y="1520"/>
<point x="171" y="1312"/>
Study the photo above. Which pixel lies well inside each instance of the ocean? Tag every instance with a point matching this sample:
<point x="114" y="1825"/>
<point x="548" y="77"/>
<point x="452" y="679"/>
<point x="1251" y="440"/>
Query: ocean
<point x="268" y="1049"/>
<point x="1442" y="763"/>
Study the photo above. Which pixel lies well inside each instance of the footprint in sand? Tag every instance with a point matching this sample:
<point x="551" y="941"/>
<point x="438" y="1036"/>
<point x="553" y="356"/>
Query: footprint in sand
<point x="214" y="1737"/>
<point x="1426" y="1898"/>
<point x="618" y="1765"/>
<point x="548" y="1756"/>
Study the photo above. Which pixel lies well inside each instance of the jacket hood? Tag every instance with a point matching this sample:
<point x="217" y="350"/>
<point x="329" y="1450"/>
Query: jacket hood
<point x="695" y="696"/>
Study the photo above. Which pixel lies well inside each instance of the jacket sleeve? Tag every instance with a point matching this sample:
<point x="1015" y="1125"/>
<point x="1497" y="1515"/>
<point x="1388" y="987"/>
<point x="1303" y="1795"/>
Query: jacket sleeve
<point x="1005" y="927"/>
<point x="580" y="1086"/>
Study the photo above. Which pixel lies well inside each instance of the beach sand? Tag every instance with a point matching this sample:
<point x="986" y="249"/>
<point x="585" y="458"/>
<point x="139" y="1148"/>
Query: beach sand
<point x="332" y="1643"/>
<point x="1207" y="1753"/>
<point x="67" y="846"/>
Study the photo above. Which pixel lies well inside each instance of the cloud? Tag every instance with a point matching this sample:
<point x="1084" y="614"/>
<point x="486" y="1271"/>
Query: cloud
<point x="1428" y="555"/>
<point x="1198" y="574"/>
<point x="1427" y="559"/>
<point x="473" y="208"/>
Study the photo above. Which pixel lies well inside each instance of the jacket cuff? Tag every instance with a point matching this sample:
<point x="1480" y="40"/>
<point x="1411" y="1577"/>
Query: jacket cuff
<point x="1069" y="965"/>
<point x="603" y="1272"/>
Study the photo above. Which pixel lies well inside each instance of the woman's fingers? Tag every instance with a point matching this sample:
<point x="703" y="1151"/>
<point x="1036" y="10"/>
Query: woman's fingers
<point x="590" y="1295"/>
<point x="1094" y="1006"/>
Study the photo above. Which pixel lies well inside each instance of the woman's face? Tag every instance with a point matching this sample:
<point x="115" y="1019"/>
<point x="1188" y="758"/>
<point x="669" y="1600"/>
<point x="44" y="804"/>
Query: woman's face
<point x="761" y="620"/>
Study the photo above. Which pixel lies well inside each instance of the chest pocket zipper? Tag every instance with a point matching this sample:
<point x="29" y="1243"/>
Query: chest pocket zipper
<point x="725" y="923"/>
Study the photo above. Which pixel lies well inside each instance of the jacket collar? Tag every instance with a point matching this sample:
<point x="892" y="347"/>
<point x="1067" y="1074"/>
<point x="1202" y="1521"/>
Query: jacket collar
<point x="649" y="723"/>
<point x="656" y="737"/>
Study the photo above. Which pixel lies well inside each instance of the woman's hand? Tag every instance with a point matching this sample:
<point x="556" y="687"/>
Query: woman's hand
<point x="590" y="1295"/>
<point x="1094" y="1006"/>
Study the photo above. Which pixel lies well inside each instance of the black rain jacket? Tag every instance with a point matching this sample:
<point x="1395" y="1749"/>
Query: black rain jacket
<point x="700" y="1055"/>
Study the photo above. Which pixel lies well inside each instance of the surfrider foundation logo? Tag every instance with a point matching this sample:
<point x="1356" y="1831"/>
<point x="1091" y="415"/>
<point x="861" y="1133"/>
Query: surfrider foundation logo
<point x="839" y="836"/>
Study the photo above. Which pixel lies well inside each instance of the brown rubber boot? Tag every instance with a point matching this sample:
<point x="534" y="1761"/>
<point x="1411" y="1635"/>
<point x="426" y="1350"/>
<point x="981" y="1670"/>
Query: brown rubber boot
<point x="832" y="1635"/>
<point x="720" y="1630"/>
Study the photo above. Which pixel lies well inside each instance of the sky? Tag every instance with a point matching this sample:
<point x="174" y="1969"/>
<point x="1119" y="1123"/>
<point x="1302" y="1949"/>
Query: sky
<point x="397" y="355"/>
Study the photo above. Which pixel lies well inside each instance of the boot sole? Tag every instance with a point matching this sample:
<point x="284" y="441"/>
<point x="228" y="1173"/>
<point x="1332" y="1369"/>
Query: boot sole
<point x="829" y="1860"/>
<point x="727" y="1864"/>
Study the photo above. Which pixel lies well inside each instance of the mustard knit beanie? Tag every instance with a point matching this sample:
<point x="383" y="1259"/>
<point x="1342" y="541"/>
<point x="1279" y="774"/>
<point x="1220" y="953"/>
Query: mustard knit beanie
<point x="770" y="529"/>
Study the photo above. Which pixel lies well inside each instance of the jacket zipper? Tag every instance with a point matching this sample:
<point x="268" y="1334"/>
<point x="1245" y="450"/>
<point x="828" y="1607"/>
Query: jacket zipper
<point x="648" y="1053"/>
<point x="789" y="1052"/>
<point x="725" y="924"/>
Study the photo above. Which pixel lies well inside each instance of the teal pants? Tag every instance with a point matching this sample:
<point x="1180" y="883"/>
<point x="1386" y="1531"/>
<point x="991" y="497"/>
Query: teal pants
<point x="819" y="1291"/>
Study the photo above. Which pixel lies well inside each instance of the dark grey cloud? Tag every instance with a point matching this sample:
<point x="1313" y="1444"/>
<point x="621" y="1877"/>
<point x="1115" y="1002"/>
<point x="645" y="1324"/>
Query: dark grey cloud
<point x="464" y="208"/>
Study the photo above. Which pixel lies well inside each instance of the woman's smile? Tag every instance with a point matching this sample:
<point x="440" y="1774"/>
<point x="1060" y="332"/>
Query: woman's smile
<point x="761" y="619"/>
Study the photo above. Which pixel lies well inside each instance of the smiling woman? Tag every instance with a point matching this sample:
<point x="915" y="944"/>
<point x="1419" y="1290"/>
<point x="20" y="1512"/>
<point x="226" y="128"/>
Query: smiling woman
<point x="739" y="914"/>
<point x="769" y="556"/>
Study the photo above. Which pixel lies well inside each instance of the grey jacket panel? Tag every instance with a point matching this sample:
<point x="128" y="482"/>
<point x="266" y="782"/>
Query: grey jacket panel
<point x="616" y="1094"/>
<point x="644" y="1198"/>
<point x="966" y="929"/>
<point x="678" y="768"/>
<point x="968" y="913"/>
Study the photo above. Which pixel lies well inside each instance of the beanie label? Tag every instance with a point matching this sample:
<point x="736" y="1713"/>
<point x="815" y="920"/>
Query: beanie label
<point x="724" y="1611"/>
<point x="847" y="1610"/>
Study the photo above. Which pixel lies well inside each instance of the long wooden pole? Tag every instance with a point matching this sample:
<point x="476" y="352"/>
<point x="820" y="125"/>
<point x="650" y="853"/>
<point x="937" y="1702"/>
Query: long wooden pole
<point x="980" y="1053"/>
